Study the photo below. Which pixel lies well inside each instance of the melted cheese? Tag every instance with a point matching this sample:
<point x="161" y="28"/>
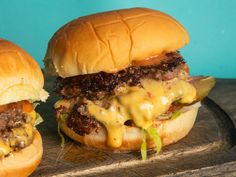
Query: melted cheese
<point x="4" y="148"/>
<point x="141" y="105"/>
<point x="23" y="134"/>
<point x="32" y="114"/>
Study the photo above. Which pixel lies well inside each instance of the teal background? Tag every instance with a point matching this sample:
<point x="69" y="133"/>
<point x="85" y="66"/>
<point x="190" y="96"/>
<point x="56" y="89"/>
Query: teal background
<point x="211" y="25"/>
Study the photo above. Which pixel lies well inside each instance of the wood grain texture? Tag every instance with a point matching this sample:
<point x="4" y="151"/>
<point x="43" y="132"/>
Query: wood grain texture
<point x="208" y="149"/>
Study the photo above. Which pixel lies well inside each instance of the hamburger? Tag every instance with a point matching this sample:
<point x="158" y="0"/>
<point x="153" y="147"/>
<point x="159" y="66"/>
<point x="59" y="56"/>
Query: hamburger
<point x="21" y="83"/>
<point x="123" y="82"/>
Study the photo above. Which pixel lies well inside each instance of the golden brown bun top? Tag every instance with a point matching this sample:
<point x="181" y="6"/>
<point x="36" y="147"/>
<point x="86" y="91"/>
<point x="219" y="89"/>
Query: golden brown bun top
<point x="20" y="76"/>
<point x="111" y="41"/>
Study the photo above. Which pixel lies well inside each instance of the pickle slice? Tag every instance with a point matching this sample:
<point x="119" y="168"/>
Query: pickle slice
<point x="203" y="86"/>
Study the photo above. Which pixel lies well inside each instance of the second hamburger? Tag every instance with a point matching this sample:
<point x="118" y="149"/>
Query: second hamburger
<point x="21" y="85"/>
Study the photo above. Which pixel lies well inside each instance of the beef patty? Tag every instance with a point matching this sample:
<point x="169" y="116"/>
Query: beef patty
<point x="100" y="86"/>
<point x="12" y="117"/>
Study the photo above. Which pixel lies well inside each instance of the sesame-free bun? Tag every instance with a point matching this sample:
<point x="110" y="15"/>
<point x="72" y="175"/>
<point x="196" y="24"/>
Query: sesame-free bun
<point x="170" y="132"/>
<point x="22" y="163"/>
<point x="20" y="76"/>
<point x="111" y="41"/>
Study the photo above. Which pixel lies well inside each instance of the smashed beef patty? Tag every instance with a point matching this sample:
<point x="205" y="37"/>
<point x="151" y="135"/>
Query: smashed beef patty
<point x="102" y="85"/>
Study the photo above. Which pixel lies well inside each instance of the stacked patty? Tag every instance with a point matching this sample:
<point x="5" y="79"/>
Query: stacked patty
<point x="102" y="86"/>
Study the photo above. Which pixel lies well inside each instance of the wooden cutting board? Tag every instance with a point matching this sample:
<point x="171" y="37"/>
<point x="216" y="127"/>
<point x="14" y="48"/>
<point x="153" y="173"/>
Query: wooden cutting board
<point x="207" y="150"/>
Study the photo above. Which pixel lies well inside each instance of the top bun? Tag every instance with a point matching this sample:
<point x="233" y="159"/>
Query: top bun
<point x="111" y="41"/>
<point x="20" y="76"/>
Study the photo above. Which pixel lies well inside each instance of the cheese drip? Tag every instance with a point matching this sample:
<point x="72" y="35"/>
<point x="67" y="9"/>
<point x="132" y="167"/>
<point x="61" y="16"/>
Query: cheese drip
<point x="22" y="134"/>
<point x="141" y="105"/>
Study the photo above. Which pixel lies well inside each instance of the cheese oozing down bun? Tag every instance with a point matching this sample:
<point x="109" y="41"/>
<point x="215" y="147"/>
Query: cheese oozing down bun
<point x="170" y="132"/>
<point x="124" y="84"/>
<point x="22" y="82"/>
<point x="24" y="162"/>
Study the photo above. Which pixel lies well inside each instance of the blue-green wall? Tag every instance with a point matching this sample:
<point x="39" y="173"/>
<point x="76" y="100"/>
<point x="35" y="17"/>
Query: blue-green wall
<point x="211" y="24"/>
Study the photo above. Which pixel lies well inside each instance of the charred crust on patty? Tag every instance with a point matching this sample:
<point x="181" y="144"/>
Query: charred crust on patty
<point x="12" y="117"/>
<point x="101" y="85"/>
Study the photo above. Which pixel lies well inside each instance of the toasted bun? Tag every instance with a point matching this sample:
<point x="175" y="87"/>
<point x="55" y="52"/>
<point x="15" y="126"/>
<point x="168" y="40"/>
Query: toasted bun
<point x="111" y="41"/>
<point x="20" y="76"/>
<point x="170" y="132"/>
<point x="23" y="162"/>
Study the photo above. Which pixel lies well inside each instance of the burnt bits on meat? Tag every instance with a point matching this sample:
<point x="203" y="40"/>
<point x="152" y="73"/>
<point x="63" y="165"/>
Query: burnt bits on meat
<point x="99" y="85"/>
<point x="79" y="119"/>
<point x="86" y="122"/>
<point x="9" y="119"/>
<point x="102" y="85"/>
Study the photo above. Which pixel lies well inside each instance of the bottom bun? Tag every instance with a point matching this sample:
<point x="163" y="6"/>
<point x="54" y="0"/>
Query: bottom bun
<point x="22" y="163"/>
<point x="170" y="132"/>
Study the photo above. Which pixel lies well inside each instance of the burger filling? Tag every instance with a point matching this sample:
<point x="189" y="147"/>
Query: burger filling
<point x="103" y="85"/>
<point x="134" y="96"/>
<point x="17" y="122"/>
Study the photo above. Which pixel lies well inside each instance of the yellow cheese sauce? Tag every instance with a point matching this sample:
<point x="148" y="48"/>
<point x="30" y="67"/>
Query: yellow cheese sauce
<point x="141" y="105"/>
<point x="4" y="148"/>
<point x="23" y="134"/>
